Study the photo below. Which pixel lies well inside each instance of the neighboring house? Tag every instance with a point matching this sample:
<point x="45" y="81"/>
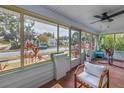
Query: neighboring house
<point x="52" y="42"/>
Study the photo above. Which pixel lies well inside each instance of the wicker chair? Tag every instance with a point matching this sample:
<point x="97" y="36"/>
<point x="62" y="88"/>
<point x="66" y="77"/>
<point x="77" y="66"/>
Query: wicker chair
<point x="93" y="76"/>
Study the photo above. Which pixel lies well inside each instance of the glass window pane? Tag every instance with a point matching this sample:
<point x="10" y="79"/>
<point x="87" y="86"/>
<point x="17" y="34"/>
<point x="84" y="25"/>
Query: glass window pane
<point x="75" y="44"/>
<point x="64" y="39"/>
<point x="83" y="37"/>
<point x="119" y="42"/>
<point x="88" y="43"/>
<point x="9" y="40"/>
<point x="106" y="41"/>
<point x="94" y="42"/>
<point x="40" y="40"/>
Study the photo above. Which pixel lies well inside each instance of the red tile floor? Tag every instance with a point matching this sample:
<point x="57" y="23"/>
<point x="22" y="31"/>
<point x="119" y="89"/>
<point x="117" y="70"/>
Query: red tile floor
<point x="116" y="76"/>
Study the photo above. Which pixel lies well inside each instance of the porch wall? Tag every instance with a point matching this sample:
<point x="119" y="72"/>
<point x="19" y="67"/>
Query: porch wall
<point x="119" y="55"/>
<point x="29" y="78"/>
<point x="33" y="77"/>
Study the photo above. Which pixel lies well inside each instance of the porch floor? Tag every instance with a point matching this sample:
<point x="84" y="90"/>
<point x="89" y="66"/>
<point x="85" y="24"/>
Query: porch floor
<point x="116" y="76"/>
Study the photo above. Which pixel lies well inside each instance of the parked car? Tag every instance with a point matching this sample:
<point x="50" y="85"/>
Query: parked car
<point x="43" y="46"/>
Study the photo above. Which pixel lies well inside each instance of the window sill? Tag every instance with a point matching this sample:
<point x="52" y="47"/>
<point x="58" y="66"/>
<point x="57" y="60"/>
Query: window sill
<point x="28" y="67"/>
<point x="74" y="59"/>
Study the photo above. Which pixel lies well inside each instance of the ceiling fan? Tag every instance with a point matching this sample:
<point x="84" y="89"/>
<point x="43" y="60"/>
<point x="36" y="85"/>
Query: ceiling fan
<point x="107" y="17"/>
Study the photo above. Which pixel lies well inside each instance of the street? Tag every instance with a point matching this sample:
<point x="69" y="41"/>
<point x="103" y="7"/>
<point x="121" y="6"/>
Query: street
<point x="10" y="54"/>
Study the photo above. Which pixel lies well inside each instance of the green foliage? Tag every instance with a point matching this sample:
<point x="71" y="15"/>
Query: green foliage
<point x="83" y="36"/>
<point x="48" y="34"/>
<point x="75" y="38"/>
<point x="2" y="41"/>
<point x="107" y="41"/>
<point x="29" y="33"/>
<point x="88" y="38"/>
<point x="119" y="42"/>
<point x="9" y="29"/>
<point x="43" y="38"/>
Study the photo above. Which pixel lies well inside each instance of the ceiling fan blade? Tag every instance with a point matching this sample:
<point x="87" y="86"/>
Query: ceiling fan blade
<point x="116" y="14"/>
<point x="110" y="20"/>
<point x="97" y="16"/>
<point x="95" y="21"/>
<point x="104" y="14"/>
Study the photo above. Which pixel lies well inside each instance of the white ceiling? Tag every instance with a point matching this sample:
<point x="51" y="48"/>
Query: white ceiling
<point x="83" y="14"/>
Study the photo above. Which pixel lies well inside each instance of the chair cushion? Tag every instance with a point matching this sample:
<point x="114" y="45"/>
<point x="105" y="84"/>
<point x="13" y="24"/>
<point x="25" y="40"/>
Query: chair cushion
<point x="89" y="79"/>
<point x="93" y="69"/>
